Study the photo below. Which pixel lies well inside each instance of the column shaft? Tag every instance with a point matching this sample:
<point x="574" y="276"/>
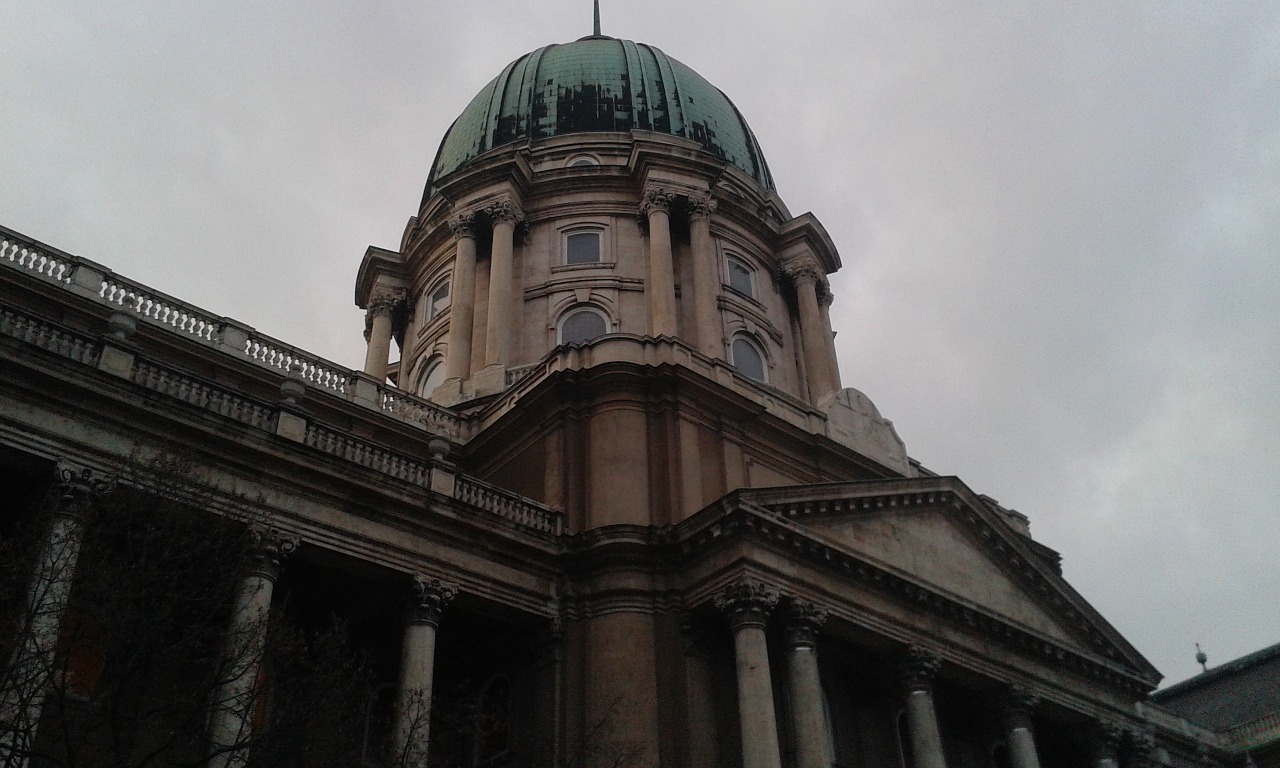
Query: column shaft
<point x="231" y="711"/>
<point x="662" y="286"/>
<point x="1017" y="713"/>
<point x="462" y="312"/>
<point x="498" y="333"/>
<point x="748" y="604"/>
<point x="417" y="670"/>
<point x="922" y="720"/>
<point x="706" y="283"/>
<point x="808" y="718"/>
<point x="31" y="665"/>
<point x="378" y="353"/>
<point x="833" y="363"/>
<point x="811" y="329"/>
<point x="755" y="699"/>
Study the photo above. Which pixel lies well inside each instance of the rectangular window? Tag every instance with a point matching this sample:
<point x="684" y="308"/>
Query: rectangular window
<point x="741" y="277"/>
<point x="582" y="248"/>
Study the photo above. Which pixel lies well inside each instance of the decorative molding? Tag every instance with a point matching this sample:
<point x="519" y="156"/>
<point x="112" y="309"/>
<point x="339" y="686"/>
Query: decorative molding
<point x="463" y="225"/>
<point x="804" y="622"/>
<point x="918" y="669"/>
<point x="504" y="210"/>
<point x="270" y="549"/>
<point x="76" y="488"/>
<point x="701" y="207"/>
<point x="429" y="598"/>
<point x="1019" y="706"/>
<point x="804" y="268"/>
<point x="656" y="199"/>
<point x="747" y="603"/>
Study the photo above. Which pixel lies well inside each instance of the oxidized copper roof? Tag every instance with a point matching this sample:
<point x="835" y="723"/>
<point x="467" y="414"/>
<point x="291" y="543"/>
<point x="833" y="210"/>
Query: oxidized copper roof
<point x="599" y="84"/>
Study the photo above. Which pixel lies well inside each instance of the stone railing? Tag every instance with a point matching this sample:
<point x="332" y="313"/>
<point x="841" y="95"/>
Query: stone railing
<point x="94" y="282"/>
<point x="203" y="395"/>
<point x="37" y="257"/>
<point x="1254" y="733"/>
<point x="508" y="506"/>
<point x="153" y="305"/>
<point x="519" y="372"/>
<point x="312" y="369"/>
<point x="418" y="410"/>
<point x="47" y="336"/>
<point x="368" y="455"/>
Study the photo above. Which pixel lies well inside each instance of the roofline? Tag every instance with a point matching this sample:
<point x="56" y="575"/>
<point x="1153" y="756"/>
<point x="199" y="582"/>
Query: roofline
<point x="1217" y="673"/>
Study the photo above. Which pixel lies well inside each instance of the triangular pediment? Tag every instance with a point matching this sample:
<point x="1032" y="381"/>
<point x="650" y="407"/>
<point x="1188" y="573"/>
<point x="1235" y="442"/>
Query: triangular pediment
<point x="931" y="547"/>
<point x="936" y="534"/>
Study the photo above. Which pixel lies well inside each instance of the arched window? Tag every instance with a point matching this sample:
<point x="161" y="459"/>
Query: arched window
<point x="583" y="247"/>
<point x="741" y="276"/>
<point x="438" y="302"/>
<point x="582" y="161"/>
<point x="433" y="378"/>
<point x="746" y="357"/>
<point x="582" y="324"/>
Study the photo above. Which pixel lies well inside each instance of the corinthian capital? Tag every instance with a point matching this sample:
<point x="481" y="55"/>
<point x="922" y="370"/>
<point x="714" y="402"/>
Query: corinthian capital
<point x="504" y="210"/>
<point x="701" y="206"/>
<point x="463" y="225"/>
<point x="270" y="549"/>
<point x="804" y="621"/>
<point x="429" y="598"/>
<point x="656" y="199"/>
<point x="747" y="602"/>
<point x="804" y="268"/>
<point x="1019" y="704"/>
<point x="384" y="303"/>
<point x="1105" y="740"/>
<point x="919" y="669"/>
<point x="76" y="488"/>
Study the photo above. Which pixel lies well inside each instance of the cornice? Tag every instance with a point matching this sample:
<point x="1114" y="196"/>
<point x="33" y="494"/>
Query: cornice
<point x="742" y="520"/>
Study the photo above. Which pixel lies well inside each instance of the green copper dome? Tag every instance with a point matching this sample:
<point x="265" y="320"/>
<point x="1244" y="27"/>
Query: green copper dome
<point x="595" y="85"/>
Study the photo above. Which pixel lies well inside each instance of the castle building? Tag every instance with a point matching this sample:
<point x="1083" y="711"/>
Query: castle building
<point x="614" y="469"/>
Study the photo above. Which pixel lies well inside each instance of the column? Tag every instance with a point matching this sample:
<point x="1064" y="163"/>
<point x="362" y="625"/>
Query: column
<point x="806" y="274"/>
<point x="808" y="718"/>
<point x="656" y="206"/>
<point x="504" y="215"/>
<point x="747" y="603"/>
<point x="1105" y="743"/>
<point x="231" y="712"/>
<point x="378" y="335"/>
<point x="457" y="364"/>
<point x="833" y="364"/>
<point x="922" y="721"/>
<point x="1018" y="707"/>
<point x="72" y="499"/>
<point x="706" y="281"/>
<point x="417" y="668"/>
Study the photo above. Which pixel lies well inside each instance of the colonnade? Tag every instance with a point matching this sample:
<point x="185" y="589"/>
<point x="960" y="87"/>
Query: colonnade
<point x="73" y="499"/>
<point x="707" y="327"/>
<point x="748" y="604"/>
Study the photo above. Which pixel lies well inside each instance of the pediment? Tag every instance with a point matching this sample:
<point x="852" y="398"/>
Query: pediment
<point x="931" y="547"/>
<point x="936" y="534"/>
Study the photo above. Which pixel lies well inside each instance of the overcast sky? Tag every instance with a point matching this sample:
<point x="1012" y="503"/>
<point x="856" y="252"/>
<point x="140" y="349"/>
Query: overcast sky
<point x="1060" y="226"/>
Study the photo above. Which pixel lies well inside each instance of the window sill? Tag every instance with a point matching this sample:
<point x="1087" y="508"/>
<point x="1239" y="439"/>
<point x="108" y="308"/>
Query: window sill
<point x="581" y="267"/>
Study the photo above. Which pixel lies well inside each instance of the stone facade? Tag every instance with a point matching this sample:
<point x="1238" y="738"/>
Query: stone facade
<point x="654" y="548"/>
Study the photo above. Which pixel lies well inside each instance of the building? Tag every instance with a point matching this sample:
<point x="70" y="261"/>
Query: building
<point x="615" y="471"/>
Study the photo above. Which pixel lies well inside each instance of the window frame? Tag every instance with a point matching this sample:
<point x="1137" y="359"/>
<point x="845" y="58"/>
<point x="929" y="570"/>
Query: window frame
<point x="754" y="344"/>
<point x="431" y="311"/>
<point x="582" y="161"/>
<point x="730" y="260"/>
<point x="571" y="232"/>
<point x="577" y="309"/>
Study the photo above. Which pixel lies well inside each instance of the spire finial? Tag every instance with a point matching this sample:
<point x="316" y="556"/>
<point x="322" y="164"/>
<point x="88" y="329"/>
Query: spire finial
<point x="1202" y="658"/>
<point x="597" y="25"/>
